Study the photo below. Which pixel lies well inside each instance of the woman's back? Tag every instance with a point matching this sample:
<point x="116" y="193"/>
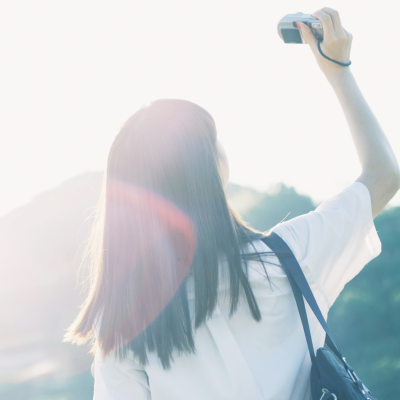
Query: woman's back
<point x="239" y="357"/>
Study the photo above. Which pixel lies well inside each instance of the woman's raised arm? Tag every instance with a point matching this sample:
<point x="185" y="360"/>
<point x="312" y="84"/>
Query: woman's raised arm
<point x="380" y="170"/>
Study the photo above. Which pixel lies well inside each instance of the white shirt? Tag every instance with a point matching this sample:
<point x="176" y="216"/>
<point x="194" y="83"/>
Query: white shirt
<point x="240" y="358"/>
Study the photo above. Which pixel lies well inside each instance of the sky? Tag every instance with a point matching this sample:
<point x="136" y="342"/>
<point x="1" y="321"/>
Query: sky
<point x="72" y="72"/>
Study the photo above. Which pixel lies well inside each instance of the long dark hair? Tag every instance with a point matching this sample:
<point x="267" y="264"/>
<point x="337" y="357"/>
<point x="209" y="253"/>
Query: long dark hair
<point x="164" y="217"/>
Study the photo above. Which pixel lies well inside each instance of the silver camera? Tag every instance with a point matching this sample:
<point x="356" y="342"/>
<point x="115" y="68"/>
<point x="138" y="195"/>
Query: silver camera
<point x="289" y="33"/>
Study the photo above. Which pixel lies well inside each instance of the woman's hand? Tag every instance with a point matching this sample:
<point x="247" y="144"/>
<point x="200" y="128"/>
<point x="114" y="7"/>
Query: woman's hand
<point x="380" y="169"/>
<point x="336" y="43"/>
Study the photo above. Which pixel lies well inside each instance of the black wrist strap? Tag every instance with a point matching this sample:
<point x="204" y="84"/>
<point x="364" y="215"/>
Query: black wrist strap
<point x="330" y="59"/>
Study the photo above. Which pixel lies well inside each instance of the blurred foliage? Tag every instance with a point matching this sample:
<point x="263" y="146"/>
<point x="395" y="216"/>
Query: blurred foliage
<point x="273" y="208"/>
<point x="364" y="319"/>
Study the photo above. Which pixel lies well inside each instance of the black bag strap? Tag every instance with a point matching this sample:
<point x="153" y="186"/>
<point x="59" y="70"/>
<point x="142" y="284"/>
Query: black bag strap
<point x="301" y="288"/>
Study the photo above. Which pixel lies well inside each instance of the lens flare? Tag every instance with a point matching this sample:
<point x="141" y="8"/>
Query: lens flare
<point x="148" y="249"/>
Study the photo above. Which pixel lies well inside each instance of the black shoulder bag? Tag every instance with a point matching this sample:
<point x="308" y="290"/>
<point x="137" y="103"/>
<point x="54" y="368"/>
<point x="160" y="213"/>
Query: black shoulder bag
<point x="331" y="378"/>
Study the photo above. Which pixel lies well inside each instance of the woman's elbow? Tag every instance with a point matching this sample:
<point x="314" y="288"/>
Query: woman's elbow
<point x="393" y="179"/>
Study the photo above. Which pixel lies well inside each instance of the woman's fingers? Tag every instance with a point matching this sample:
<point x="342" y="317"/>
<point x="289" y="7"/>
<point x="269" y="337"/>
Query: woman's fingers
<point x="348" y="34"/>
<point x="335" y="45"/>
<point x="337" y="24"/>
<point x="327" y="23"/>
<point x="308" y="35"/>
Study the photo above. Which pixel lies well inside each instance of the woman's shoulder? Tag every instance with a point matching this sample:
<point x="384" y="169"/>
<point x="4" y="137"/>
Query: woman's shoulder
<point x="336" y="240"/>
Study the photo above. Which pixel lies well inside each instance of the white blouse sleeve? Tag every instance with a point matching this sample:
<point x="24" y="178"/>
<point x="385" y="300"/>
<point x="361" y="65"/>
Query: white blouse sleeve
<point x="335" y="241"/>
<point x="115" y="380"/>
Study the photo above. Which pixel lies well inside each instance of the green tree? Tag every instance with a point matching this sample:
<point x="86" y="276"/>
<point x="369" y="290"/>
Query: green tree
<point x="273" y="208"/>
<point x="365" y="319"/>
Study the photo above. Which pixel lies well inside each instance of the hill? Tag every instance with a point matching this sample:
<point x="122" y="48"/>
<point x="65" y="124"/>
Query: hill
<point x="39" y="258"/>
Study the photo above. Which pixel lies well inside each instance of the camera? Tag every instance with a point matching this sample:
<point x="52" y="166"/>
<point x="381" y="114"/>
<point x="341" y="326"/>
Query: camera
<point x="289" y="33"/>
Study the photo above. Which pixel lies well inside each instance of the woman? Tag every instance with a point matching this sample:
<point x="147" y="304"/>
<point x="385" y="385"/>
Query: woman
<point x="186" y="302"/>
